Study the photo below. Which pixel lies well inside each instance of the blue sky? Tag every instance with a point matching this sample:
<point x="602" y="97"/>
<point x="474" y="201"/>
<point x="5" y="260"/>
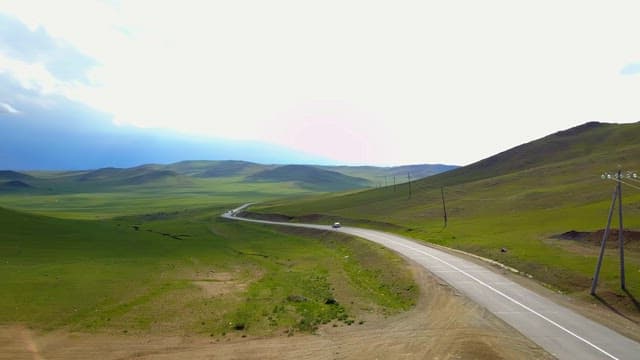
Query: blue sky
<point x="357" y="82"/>
<point x="631" y="69"/>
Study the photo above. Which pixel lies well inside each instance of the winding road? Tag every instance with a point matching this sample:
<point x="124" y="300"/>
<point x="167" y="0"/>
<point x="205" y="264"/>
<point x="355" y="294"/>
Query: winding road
<point x="560" y="331"/>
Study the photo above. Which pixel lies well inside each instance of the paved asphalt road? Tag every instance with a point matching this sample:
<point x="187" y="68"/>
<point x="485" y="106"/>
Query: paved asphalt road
<point x="559" y="330"/>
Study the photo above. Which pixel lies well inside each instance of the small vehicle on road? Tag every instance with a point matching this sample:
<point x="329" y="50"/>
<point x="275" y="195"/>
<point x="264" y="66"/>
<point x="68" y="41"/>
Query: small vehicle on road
<point x="336" y="225"/>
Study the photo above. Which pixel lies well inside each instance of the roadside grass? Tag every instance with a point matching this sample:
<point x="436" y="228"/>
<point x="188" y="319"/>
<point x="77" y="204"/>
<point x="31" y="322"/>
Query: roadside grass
<point x="519" y="211"/>
<point x="374" y="272"/>
<point x="186" y="272"/>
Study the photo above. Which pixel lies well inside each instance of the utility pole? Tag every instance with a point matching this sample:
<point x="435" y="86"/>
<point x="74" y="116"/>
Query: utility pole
<point x="617" y="196"/>
<point x="596" y="276"/>
<point x="394" y="183"/>
<point x="623" y="286"/>
<point x="444" y="206"/>
<point x="409" y="180"/>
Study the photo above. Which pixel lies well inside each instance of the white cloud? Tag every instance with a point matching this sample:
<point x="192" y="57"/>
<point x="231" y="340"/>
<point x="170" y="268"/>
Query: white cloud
<point x="19" y="42"/>
<point x="30" y="76"/>
<point x="360" y="81"/>
<point x="7" y="109"/>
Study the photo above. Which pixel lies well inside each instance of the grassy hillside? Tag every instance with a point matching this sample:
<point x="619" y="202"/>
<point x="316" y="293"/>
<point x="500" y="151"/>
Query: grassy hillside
<point x="517" y="200"/>
<point x="189" y="272"/>
<point x="310" y="177"/>
<point x="208" y="169"/>
<point x="14" y="184"/>
<point x="608" y="145"/>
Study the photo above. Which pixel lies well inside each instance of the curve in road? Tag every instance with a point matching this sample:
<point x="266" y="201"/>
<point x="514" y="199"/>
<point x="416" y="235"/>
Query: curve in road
<point x="557" y="329"/>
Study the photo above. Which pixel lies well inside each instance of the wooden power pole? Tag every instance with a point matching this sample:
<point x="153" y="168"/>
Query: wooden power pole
<point x="617" y="196"/>
<point x="444" y="206"/>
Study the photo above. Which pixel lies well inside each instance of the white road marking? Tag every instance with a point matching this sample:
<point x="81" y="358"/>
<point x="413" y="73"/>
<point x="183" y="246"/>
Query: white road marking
<point x="509" y="298"/>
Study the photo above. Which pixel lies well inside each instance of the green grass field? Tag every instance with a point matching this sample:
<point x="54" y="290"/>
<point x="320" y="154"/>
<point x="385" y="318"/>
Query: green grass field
<point x="517" y="200"/>
<point x="94" y="201"/>
<point x="189" y="272"/>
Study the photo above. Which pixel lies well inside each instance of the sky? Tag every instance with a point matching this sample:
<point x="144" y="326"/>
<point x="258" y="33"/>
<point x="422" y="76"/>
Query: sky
<point x="355" y="82"/>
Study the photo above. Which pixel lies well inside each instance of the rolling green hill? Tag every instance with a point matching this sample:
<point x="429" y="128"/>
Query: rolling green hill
<point x="154" y="176"/>
<point x="115" y="191"/>
<point x="373" y="174"/>
<point x="305" y="177"/>
<point x="13" y="185"/>
<point x="309" y="177"/>
<point x="140" y="175"/>
<point x="517" y="200"/>
<point x="215" y="168"/>
<point x="13" y="175"/>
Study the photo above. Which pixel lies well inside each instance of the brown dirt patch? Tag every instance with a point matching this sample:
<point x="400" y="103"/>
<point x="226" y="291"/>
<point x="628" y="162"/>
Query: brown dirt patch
<point x="443" y="325"/>
<point x="17" y="342"/>
<point x="218" y="284"/>
<point x="267" y="217"/>
<point x="631" y="237"/>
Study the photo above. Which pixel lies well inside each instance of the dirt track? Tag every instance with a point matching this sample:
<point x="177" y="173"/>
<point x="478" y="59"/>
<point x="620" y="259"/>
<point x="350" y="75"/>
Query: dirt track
<point x="443" y="325"/>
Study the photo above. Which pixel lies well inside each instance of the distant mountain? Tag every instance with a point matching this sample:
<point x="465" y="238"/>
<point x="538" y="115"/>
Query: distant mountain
<point x="212" y="169"/>
<point x="14" y="185"/>
<point x="13" y="175"/>
<point x="102" y="174"/>
<point x="154" y="176"/>
<point x="386" y="175"/>
<point x="305" y="177"/>
<point x="420" y="171"/>
<point x="310" y="177"/>
<point x="373" y="174"/>
<point x="138" y="175"/>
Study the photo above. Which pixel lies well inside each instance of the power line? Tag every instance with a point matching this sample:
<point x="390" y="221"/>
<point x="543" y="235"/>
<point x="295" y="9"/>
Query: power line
<point x="633" y="179"/>
<point x="633" y="186"/>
